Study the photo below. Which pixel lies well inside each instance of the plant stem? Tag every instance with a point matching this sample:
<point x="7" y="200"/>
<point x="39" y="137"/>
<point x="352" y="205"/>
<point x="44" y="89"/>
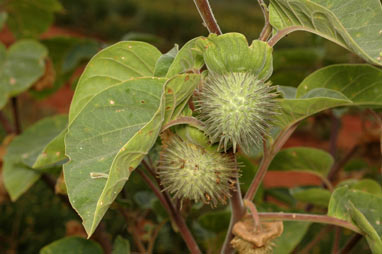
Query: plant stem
<point x="335" y="127"/>
<point x="238" y="211"/>
<point x="282" y="33"/>
<point x="310" y="218"/>
<point x="184" y="120"/>
<point x="256" y="219"/>
<point x="268" y="156"/>
<point x="16" y="116"/>
<point x="338" y="165"/>
<point x="323" y="232"/>
<point x="174" y="214"/>
<point x="351" y="244"/>
<point x="5" y="123"/>
<point x="207" y="15"/>
<point x="267" y="29"/>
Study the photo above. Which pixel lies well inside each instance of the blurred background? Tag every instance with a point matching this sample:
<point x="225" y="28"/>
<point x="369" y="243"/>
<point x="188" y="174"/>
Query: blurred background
<point x="81" y="28"/>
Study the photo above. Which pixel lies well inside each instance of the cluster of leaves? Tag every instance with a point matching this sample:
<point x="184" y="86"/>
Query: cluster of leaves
<point x="130" y="90"/>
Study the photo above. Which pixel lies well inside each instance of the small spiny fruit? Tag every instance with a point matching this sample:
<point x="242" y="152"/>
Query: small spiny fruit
<point x="190" y="171"/>
<point x="237" y="108"/>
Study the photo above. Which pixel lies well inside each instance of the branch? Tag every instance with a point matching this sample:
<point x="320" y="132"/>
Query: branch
<point x="351" y="244"/>
<point x="267" y="29"/>
<point x="238" y="211"/>
<point x="310" y="218"/>
<point x="268" y="156"/>
<point x="282" y="33"/>
<point x="16" y="115"/>
<point x="209" y="20"/>
<point x="174" y="214"/>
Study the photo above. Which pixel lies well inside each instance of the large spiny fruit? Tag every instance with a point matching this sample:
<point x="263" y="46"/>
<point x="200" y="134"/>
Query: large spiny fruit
<point x="237" y="109"/>
<point x="190" y="171"/>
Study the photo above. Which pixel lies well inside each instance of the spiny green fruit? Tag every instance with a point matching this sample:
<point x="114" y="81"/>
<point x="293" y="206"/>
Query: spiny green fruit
<point x="236" y="108"/>
<point x="190" y="171"/>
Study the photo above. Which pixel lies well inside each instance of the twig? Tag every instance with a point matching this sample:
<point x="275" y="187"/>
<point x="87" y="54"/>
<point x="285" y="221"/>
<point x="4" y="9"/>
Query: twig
<point x="316" y="239"/>
<point x="5" y="123"/>
<point x="209" y="20"/>
<point x="267" y="29"/>
<point x="150" y="248"/>
<point x="282" y="33"/>
<point x="310" y="218"/>
<point x="136" y="238"/>
<point x="336" y="240"/>
<point x="154" y="189"/>
<point x="184" y="120"/>
<point x="336" y="123"/>
<point x="238" y="211"/>
<point x="268" y="156"/>
<point x="251" y="206"/>
<point x="16" y="116"/>
<point x="338" y="165"/>
<point x="351" y="244"/>
<point x="174" y="214"/>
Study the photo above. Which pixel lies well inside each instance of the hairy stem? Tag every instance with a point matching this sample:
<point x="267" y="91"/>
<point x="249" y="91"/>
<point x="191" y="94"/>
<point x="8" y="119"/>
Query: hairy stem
<point x="311" y="218"/>
<point x="282" y="33"/>
<point x="207" y="15"/>
<point x="238" y="211"/>
<point x="255" y="215"/>
<point x="16" y="115"/>
<point x="267" y="29"/>
<point x="268" y="156"/>
<point x="174" y="214"/>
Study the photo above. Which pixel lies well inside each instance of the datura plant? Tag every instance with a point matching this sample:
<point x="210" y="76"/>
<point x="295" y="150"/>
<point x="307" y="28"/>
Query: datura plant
<point x="201" y="124"/>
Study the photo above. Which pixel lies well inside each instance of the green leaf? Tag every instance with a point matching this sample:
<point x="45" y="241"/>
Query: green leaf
<point x="117" y="63"/>
<point x="293" y="233"/>
<point x="20" y="66"/>
<point x="354" y="27"/>
<point x="230" y="53"/>
<point x="179" y="89"/>
<point x="372" y="237"/>
<point x="72" y="244"/>
<point x="315" y="196"/>
<point x="53" y="152"/>
<point x="311" y="160"/>
<point x="3" y="18"/>
<point x="333" y="86"/>
<point x="107" y="140"/>
<point x="164" y="62"/>
<point x="188" y="59"/>
<point x="23" y="152"/>
<point x="369" y="205"/>
<point x="121" y="246"/>
<point x="30" y="18"/>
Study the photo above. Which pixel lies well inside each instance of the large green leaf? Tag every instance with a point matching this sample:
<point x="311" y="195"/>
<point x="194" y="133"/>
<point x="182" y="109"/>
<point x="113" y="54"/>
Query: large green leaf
<point x="361" y="208"/>
<point x="29" y="18"/>
<point x="333" y="86"/>
<point x="304" y="159"/>
<point x="348" y="23"/>
<point x="117" y="63"/>
<point x="23" y="152"/>
<point x="106" y="142"/>
<point x="72" y="244"/>
<point x="20" y="66"/>
<point x="293" y="233"/>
